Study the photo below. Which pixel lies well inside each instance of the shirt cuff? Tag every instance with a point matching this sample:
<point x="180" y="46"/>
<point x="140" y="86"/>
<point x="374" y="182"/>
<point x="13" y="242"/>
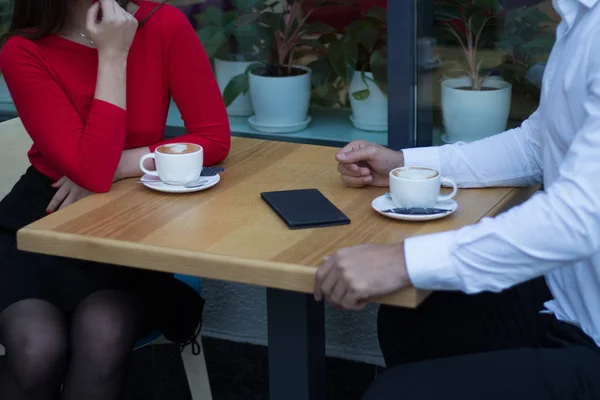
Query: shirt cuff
<point x="429" y="261"/>
<point x="423" y="157"/>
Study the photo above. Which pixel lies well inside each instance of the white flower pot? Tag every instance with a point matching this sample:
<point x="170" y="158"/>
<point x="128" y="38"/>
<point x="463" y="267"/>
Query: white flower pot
<point x="370" y="114"/>
<point x="280" y="103"/>
<point x="471" y="115"/>
<point x="225" y="71"/>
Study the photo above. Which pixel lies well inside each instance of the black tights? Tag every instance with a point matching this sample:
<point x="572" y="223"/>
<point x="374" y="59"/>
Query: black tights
<point x="85" y="355"/>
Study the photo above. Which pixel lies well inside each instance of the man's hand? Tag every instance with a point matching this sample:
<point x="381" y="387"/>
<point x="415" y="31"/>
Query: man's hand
<point x="351" y="276"/>
<point x="68" y="193"/>
<point x="362" y="164"/>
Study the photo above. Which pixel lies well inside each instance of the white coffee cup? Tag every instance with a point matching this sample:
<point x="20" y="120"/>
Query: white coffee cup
<point x="176" y="163"/>
<point x="418" y="187"/>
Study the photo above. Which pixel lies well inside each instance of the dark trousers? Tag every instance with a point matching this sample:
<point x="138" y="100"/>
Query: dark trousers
<point x="485" y="347"/>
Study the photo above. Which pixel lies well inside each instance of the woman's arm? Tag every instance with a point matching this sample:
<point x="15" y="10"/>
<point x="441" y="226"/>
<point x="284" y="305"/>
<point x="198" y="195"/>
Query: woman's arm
<point x="87" y="151"/>
<point x="129" y="166"/>
<point x="194" y="88"/>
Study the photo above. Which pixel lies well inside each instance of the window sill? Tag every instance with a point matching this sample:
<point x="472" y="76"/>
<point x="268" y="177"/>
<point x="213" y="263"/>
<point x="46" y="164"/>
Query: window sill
<point x="329" y="127"/>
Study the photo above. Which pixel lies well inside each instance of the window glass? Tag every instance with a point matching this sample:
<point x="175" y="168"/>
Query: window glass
<point x="483" y="63"/>
<point x="310" y="68"/>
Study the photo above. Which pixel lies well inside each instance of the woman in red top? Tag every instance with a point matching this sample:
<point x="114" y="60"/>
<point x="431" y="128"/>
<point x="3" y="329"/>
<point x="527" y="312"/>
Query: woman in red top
<point x="92" y="83"/>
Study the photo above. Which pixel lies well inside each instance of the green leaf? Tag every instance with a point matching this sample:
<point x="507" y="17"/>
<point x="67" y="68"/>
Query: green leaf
<point x="478" y="22"/>
<point x="322" y="72"/>
<point x="511" y="16"/>
<point x="317" y="28"/>
<point x="248" y="19"/>
<point x="212" y="16"/>
<point x="343" y="56"/>
<point x="365" y="32"/>
<point x="540" y="43"/>
<point x="361" y="95"/>
<point x="513" y="40"/>
<point x="313" y="43"/>
<point x="378" y="13"/>
<point x="328" y="38"/>
<point x="533" y="14"/>
<point x="379" y="67"/>
<point x="513" y="68"/>
<point x="238" y="85"/>
<point x="213" y="39"/>
<point x="493" y="5"/>
<point x="271" y="19"/>
<point x="245" y="30"/>
<point x="473" y="10"/>
<point x="325" y="96"/>
<point x="247" y="5"/>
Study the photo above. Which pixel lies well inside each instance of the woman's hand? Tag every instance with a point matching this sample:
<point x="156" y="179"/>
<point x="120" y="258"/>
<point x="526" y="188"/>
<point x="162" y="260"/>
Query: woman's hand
<point x="68" y="193"/>
<point x="114" y="33"/>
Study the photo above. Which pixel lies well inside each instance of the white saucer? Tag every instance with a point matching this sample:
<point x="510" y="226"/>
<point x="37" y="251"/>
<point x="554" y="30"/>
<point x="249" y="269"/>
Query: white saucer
<point x="278" y="128"/>
<point x="367" y="126"/>
<point x="165" y="188"/>
<point x="385" y="203"/>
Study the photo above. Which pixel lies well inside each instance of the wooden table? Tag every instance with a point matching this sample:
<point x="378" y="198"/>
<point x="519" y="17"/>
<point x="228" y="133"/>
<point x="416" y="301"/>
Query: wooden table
<point x="228" y="233"/>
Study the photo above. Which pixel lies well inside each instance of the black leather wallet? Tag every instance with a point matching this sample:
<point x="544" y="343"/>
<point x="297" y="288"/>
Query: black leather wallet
<point x="304" y="208"/>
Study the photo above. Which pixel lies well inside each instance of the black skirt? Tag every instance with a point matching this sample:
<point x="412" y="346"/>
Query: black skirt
<point x="169" y="305"/>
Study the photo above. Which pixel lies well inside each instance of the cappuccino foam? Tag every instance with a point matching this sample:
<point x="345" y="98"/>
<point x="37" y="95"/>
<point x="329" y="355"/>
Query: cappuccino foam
<point x="416" y="173"/>
<point x="178" y="148"/>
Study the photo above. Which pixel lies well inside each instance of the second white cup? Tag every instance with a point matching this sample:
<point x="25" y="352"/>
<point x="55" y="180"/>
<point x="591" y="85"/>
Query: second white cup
<point x="413" y="187"/>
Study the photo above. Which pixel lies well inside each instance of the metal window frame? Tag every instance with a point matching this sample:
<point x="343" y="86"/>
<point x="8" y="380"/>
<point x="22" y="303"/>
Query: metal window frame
<point x="409" y="114"/>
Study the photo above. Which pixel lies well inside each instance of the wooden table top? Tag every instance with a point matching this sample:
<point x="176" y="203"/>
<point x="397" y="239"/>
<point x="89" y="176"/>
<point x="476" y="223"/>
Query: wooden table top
<point x="229" y="233"/>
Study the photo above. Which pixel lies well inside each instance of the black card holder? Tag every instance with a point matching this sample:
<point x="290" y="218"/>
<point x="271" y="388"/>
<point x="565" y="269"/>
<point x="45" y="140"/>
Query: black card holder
<point x="304" y="208"/>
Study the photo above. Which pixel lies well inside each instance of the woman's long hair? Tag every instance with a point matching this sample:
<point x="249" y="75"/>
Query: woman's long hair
<point x="36" y="19"/>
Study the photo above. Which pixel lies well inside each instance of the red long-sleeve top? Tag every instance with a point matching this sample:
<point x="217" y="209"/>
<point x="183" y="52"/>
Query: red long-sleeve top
<point x="52" y="82"/>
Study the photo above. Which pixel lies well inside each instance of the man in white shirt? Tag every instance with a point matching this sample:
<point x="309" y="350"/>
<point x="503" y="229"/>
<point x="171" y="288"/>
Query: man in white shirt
<point x="516" y="313"/>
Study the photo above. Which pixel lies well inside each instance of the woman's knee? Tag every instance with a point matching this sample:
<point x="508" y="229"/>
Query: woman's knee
<point x="104" y="329"/>
<point x="35" y="336"/>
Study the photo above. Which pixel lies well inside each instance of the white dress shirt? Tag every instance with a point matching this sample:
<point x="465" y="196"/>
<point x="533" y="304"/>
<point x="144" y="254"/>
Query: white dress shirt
<point x="557" y="232"/>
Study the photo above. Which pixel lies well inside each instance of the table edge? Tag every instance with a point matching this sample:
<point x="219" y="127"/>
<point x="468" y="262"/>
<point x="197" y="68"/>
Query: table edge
<point x="272" y="274"/>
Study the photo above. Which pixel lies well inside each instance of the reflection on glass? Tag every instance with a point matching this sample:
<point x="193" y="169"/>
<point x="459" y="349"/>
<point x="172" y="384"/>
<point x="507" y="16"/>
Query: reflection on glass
<point x="292" y="65"/>
<point x="5" y="14"/>
<point x="488" y="63"/>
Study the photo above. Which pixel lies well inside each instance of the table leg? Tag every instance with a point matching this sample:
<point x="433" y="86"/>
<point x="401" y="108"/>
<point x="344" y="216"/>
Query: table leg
<point x="296" y="328"/>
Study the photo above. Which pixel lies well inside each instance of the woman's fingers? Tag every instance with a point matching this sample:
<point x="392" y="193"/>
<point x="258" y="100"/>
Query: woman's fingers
<point x="60" y="195"/>
<point x="70" y="199"/>
<point x="92" y="17"/>
<point x="59" y="182"/>
<point x="109" y="10"/>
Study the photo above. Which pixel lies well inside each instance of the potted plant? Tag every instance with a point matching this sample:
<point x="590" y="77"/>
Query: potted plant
<point x="359" y="58"/>
<point x="233" y="45"/>
<point x="475" y="105"/>
<point x="280" y="89"/>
